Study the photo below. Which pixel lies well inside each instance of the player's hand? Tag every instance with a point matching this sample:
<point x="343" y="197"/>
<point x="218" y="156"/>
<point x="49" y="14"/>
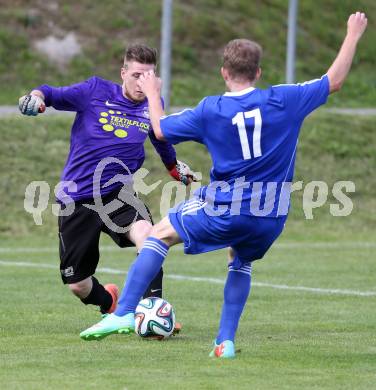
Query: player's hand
<point x="149" y="83"/>
<point x="31" y="105"/>
<point x="356" y="25"/>
<point x="181" y="172"/>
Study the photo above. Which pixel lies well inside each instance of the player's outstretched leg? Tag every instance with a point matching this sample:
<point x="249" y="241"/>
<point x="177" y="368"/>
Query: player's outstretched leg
<point x="236" y="292"/>
<point x="142" y="271"/>
<point x="110" y="324"/>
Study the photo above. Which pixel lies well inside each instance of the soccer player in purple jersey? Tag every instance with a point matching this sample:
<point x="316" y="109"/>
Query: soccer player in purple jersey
<point x="112" y="121"/>
<point x="260" y="129"/>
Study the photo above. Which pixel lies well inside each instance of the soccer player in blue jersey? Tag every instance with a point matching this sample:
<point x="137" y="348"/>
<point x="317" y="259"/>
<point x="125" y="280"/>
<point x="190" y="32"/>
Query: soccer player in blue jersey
<point x="112" y="122"/>
<point x="251" y="135"/>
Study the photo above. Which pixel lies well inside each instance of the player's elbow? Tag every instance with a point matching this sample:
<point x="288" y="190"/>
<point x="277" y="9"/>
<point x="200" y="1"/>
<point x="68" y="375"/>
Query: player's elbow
<point x="159" y="135"/>
<point x="335" y="86"/>
<point x="335" y="81"/>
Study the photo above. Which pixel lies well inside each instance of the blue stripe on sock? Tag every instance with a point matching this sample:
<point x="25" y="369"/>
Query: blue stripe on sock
<point x="141" y="273"/>
<point x="158" y="242"/>
<point x="153" y="246"/>
<point x="245" y="268"/>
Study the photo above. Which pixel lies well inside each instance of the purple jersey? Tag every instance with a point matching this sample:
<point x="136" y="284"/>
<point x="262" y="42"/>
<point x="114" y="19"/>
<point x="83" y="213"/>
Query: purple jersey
<point x="106" y="125"/>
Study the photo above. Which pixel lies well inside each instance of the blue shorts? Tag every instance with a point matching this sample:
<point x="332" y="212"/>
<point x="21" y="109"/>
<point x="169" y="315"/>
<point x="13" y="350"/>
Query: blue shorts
<point x="249" y="236"/>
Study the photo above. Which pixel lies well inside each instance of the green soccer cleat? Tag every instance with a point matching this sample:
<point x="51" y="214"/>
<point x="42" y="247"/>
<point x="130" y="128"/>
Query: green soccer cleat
<point x="110" y="324"/>
<point x="224" y="350"/>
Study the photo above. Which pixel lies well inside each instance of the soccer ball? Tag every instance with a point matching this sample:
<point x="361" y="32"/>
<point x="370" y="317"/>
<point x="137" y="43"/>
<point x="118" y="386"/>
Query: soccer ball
<point x="154" y="318"/>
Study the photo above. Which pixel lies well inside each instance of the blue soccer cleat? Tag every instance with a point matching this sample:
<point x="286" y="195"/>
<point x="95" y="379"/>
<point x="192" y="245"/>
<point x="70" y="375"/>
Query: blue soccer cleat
<point x="226" y="350"/>
<point x="111" y="324"/>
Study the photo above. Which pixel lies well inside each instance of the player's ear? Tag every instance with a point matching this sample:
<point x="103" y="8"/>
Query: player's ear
<point x="224" y="73"/>
<point x="122" y="73"/>
<point x="258" y="74"/>
<point x="124" y="70"/>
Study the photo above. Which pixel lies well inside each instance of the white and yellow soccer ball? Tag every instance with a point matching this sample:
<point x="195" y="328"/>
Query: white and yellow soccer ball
<point x="154" y="318"/>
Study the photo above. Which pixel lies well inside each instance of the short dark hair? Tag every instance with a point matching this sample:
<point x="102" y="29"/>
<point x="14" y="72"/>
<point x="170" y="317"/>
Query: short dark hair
<point x="141" y="53"/>
<point x="241" y="57"/>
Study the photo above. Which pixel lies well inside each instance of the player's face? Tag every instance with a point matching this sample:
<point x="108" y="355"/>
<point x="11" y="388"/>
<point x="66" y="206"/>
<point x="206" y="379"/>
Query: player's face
<point x="130" y="74"/>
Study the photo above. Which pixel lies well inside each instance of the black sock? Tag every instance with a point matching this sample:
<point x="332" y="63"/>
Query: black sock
<point x="155" y="287"/>
<point x="98" y="296"/>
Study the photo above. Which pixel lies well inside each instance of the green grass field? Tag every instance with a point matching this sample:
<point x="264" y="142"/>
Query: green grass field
<point x="289" y="338"/>
<point x="201" y="28"/>
<point x="302" y="327"/>
<point x="310" y="322"/>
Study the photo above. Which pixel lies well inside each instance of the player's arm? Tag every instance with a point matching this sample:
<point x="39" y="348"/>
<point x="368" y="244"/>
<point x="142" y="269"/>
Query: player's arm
<point x="151" y="86"/>
<point x="179" y="170"/>
<point x="156" y="113"/>
<point x="302" y="99"/>
<point x="70" y="98"/>
<point x="187" y="125"/>
<point x="340" y="68"/>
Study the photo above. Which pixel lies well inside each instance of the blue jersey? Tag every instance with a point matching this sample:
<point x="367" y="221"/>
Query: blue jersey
<point x="252" y="138"/>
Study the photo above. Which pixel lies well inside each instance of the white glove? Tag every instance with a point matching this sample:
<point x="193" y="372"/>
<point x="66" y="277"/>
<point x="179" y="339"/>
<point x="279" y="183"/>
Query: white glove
<point x="182" y="172"/>
<point x="31" y="105"/>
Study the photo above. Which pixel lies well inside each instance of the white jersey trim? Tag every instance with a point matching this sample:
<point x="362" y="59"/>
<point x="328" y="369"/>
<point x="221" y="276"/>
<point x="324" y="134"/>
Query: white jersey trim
<point x="176" y="113"/>
<point x="240" y="93"/>
<point x="305" y="83"/>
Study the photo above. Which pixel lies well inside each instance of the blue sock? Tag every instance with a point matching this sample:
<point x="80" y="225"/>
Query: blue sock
<point x="237" y="287"/>
<point x="140" y="274"/>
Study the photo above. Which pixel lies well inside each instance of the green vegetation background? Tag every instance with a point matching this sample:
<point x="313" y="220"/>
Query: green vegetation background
<point x="332" y="147"/>
<point x="200" y="29"/>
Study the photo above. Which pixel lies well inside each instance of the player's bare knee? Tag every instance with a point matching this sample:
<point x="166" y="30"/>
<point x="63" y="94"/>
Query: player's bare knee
<point x="76" y="289"/>
<point x="159" y="231"/>
<point x="139" y="231"/>
<point x="230" y="255"/>
<point x="144" y="229"/>
<point x="165" y="232"/>
<point x="81" y="289"/>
